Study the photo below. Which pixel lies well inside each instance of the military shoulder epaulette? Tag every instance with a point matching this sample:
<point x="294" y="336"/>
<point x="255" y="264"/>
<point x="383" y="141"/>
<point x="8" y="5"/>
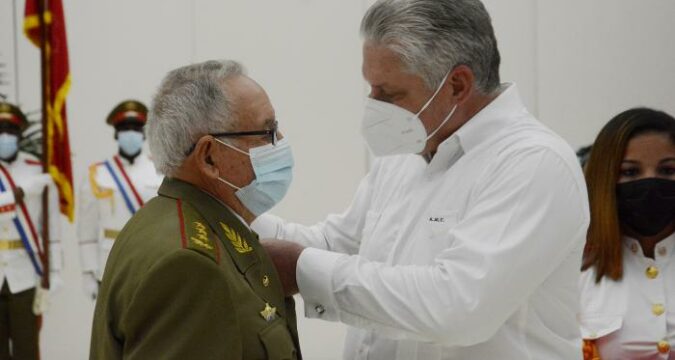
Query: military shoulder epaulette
<point x="96" y="190"/>
<point x="94" y="167"/>
<point x="196" y="233"/>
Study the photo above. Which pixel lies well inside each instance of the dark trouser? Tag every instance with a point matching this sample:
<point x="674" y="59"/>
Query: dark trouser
<point x="18" y="323"/>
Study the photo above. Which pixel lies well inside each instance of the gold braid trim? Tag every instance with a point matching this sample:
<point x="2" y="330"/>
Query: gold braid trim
<point x="99" y="193"/>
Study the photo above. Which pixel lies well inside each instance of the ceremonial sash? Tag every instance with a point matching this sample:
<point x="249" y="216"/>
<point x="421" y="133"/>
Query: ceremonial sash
<point x="24" y="224"/>
<point x="131" y="197"/>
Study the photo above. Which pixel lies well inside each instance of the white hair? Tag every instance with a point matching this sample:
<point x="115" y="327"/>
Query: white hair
<point x="192" y="101"/>
<point x="434" y="36"/>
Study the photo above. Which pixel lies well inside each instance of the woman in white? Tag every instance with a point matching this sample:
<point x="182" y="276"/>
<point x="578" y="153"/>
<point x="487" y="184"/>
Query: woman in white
<point x="628" y="281"/>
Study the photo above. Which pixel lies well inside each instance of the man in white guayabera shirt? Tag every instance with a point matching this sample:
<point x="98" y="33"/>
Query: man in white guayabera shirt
<point x="464" y="241"/>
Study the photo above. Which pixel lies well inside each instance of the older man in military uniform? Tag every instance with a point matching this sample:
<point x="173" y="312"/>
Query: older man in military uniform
<point x="114" y="190"/>
<point x="22" y="300"/>
<point x="186" y="277"/>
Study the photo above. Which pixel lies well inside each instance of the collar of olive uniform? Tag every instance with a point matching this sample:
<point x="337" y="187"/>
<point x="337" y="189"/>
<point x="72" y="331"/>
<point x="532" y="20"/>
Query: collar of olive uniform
<point x="233" y="234"/>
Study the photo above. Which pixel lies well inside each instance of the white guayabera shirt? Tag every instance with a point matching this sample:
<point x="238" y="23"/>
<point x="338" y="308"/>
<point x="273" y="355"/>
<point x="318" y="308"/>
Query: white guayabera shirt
<point x="475" y="255"/>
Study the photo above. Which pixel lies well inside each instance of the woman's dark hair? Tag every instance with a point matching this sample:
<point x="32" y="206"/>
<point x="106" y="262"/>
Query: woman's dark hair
<point x="603" y="243"/>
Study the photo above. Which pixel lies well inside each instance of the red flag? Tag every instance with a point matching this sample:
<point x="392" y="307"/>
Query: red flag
<point x="57" y="147"/>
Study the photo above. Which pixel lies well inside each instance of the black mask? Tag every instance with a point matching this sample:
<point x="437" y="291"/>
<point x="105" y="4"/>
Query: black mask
<point x="646" y="206"/>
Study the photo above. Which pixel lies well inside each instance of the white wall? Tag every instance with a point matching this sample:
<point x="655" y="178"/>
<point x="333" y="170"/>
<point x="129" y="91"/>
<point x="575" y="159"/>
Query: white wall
<point x="598" y="58"/>
<point x="576" y="63"/>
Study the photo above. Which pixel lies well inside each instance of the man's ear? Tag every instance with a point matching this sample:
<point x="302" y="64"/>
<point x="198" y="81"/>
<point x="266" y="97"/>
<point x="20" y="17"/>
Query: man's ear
<point x="203" y="157"/>
<point x="462" y="82"/>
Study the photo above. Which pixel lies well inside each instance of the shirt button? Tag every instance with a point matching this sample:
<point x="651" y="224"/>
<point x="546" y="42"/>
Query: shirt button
<point x="634" y="248"/>
<point x="652" y="272"/>
<point x="320" y="309"/>
<point x="663" y="347"/>
<point x="662" y="251"/>
<point x="658" y="309"/>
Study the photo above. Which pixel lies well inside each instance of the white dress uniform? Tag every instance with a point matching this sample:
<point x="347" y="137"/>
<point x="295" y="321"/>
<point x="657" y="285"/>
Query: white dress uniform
<point x="475" y="255"/>
<point x="634" y="318"/>
<point x="103" y="209"/>
<point x="16" y="266"/>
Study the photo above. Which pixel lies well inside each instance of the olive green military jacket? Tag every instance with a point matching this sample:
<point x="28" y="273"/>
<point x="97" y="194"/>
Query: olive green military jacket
<point x="186" y="279"/>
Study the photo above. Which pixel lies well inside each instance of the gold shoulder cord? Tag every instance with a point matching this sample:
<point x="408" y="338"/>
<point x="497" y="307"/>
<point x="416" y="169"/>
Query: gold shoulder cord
<point x="100" y="193"/>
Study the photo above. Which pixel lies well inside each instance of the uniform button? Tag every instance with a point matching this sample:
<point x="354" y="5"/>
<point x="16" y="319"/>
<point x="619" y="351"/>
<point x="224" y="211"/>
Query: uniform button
<point x="652" y="272"/>
<point x="658" y="309"/>
<point x="662" y="251"/>
<point x="663" y="346"/>
<point x="634" y="248"/>
<point x="320" y="309"/>
<point x="266" y="281"/>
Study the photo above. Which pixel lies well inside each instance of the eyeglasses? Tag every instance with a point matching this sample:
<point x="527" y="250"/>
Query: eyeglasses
<point x="270" y="134"/>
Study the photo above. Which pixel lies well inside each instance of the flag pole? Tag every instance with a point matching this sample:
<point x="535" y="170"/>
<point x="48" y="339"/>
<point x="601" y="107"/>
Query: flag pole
<point x="17" y="100"/>
<point x="44" y="65"/>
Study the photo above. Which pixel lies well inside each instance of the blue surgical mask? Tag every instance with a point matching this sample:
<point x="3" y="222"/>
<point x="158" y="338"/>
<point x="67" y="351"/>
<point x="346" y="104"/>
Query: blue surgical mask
<point x="130" y="141"/>
<point x="273" y="168"/>
<point x="9" y="145"/>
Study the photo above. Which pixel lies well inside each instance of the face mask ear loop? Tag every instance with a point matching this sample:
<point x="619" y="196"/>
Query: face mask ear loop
<point x="232" y="147"/>
<point x="434" y="95"/>
<point x="447" y="118"/>
<point x="229" y="184"/>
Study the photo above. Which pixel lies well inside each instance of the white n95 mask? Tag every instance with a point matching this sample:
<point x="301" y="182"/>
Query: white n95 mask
<point x="390" y="129"/>
<point x="273" y="168"/>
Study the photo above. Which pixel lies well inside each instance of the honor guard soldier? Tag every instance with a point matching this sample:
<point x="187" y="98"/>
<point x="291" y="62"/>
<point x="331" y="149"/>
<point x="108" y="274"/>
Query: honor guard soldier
<point x="22" y="299"/>
<point x="113" y="191"/>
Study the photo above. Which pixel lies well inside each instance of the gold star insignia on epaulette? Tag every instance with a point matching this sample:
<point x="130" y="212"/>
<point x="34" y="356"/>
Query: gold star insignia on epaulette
<point x="201" y="237"/>
<point x="239" y="243"/>
<point x="269" y="313"/>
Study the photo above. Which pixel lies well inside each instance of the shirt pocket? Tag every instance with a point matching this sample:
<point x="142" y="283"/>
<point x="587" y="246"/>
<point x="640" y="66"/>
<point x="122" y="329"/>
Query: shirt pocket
<point x="596" y="326"/>
<point x="440" y="224"/>
<point x="278" y="342"/>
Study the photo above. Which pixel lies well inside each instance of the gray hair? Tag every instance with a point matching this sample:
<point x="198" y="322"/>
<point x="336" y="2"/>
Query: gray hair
<point x="434" y="36"/>
<point x="191" y="101"/>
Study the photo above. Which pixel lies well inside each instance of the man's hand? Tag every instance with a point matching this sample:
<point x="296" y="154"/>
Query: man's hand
<point x="90" y="284"/>
<point x="284" y="255"/>
<point x="18" y="195"/>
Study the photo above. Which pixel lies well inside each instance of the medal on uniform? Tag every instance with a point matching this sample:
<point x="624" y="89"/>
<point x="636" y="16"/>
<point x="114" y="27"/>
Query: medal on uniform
<point x="269" y="313"/>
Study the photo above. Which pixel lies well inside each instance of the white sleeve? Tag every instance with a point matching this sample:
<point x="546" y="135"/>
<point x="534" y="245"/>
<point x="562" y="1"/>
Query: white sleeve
<point x="87" y="227"/>
<point x="339" y="233"/>
<point x="529" y="216"/>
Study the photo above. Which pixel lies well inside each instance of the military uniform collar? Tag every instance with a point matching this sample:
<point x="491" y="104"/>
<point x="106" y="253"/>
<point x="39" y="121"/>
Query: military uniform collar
<point x="219" y="217"/>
